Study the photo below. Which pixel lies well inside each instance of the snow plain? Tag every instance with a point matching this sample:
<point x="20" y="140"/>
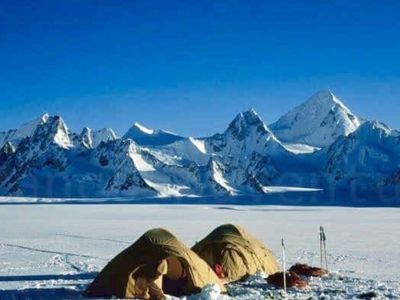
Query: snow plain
<point x="52" y="251"/>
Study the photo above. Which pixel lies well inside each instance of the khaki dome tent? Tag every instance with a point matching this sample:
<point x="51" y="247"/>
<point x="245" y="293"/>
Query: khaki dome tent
<point x="236" y="251"/>
<point x="117" y="278"/>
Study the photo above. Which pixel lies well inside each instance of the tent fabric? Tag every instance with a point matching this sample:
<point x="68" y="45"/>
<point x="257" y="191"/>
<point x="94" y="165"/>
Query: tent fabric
<point x="237" y="252"/>
<point x="144" y="285"/>
<point x="155" y="245"/>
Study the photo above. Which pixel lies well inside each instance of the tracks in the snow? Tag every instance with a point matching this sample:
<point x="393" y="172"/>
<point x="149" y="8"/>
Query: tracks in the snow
<point x="48" y="251"/>
<point x="82" y="237"/>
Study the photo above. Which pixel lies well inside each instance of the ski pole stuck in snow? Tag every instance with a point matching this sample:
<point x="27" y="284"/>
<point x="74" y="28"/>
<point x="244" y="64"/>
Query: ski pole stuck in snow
<point x="323" y="247"/>
<point x="320" y="246"/>
<point x="284" y="268"/>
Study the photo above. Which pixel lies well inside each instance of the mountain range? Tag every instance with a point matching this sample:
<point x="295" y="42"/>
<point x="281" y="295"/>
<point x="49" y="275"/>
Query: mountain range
<point x="319" y="144"/>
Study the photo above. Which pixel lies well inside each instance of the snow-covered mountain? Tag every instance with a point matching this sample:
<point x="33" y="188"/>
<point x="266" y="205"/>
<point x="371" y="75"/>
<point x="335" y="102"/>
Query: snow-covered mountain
<point x="44" y="158"/>
<point x="45" y="149"/>
<point x="246" y="149"/>
<point x="367" y="158"/>
<point x="89" y="138"/>
<point x="150" y="137"/>
<point x="14" y="136"/>
<point x="317" y="122"/>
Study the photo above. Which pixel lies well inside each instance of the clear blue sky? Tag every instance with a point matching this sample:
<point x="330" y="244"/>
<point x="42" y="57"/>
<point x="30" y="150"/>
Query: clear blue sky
<point x="191" y="66"/>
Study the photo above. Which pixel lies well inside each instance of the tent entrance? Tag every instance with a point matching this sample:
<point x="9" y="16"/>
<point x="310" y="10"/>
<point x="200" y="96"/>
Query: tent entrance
<point x="176" y="279"/>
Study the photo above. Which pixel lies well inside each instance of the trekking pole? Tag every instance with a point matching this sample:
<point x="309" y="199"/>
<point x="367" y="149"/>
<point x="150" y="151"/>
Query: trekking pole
<point x="284" y="268"/>
<point x="324" y="244"/>
<point x="320" y="244"/>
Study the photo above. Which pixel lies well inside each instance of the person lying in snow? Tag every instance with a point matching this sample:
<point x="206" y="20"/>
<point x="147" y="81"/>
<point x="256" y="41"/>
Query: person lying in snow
<point x="148" y="281"/>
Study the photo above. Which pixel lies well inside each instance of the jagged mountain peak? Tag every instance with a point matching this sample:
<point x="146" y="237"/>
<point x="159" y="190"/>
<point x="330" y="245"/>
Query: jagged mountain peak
<point x="375" y="125"/>
<point x="55" y="129"/>
<point x="15" y="136"/>
<point x="249" y="117"/>
<point x="57" y="121"/>
<point x="85" y="137"/>
<point x="375" y="130"/>
<point x="43" y="128"/>
<point x="107" y="130"/>
<point x="366" y="157"/>
<point x="27" y="129"/>
<point x="35" y="122"/>
<point x="245" y="134"/>
<point x="86" y="130"/>
<point x="7" y="148"/>
<point x="92" y="138"/>
<point x="251" y="114"/>
<point x="319" y="121"/>
<point x="45" y="117"/>
<point x="244" y="122"/>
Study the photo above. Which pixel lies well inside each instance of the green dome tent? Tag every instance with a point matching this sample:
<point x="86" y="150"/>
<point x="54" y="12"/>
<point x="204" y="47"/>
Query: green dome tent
<point x="236" y="251"/>
<point x="116" y="279"/>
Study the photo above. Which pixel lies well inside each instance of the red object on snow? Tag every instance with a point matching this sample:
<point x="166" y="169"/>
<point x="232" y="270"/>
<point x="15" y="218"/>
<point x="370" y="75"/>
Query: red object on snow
<point x="303" y="269"/>
<point x="219" y="271"/>
<point x="292" y="280"/>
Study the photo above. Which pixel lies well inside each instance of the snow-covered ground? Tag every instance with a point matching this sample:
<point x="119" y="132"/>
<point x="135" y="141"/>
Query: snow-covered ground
<point x="54" y="251"/>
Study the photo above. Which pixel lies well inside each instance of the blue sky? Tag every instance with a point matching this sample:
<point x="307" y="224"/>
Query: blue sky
<point x="191" y="66"/>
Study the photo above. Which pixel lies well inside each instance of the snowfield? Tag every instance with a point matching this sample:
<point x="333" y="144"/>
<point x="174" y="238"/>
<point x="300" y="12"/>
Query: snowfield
<point x="54" y="251"/>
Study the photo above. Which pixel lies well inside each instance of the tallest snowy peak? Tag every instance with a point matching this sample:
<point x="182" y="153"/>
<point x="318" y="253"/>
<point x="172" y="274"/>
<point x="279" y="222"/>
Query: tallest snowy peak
<point x="316" y="122"/>
<point x="322" y="98"/>
<point x="325" y="98"/>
